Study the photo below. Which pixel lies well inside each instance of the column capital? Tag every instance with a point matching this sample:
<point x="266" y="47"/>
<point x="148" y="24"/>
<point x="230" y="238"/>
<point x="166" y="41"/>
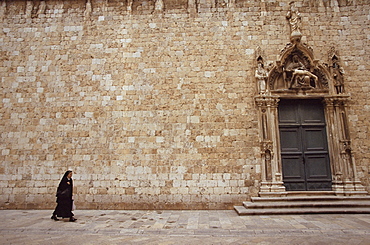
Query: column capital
<point x="267" y="101"/>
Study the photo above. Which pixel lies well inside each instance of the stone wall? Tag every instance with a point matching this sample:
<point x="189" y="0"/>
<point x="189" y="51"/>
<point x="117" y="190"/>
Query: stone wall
<point x="152" y="103"/>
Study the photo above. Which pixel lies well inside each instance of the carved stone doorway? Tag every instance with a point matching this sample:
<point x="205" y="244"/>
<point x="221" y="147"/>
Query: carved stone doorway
<point x="303" y="145"/>
<point x="296" y="150"/>
<point x="297" y="77"/>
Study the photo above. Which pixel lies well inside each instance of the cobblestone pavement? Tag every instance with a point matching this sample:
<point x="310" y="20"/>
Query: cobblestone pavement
<point x="181" y="227"/>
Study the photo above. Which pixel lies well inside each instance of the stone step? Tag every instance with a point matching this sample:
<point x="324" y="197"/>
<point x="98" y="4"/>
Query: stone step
<point x="297" y="204"/>
<point x="297" y="193"/>
<point x="241" y="210"/>
<point x="310" y="198"/>
<point x="308" y="204"/>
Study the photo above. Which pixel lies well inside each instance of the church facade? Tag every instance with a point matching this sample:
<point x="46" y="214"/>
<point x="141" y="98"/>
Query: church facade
<point x="193" y="104"/>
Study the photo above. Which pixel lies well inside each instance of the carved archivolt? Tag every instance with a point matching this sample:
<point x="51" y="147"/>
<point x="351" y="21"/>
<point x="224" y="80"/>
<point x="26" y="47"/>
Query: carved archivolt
<point x="297" y="70"/>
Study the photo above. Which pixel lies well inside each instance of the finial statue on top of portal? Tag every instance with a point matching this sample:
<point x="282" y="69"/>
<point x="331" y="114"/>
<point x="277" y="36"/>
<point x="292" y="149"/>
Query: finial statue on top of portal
<point x="294" y="18"/>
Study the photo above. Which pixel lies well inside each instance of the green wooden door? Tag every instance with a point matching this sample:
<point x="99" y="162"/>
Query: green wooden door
<point x="304" y="148"/>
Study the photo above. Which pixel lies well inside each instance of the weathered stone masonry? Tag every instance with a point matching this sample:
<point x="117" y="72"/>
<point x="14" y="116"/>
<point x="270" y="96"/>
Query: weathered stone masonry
<point x="152" y="104"/>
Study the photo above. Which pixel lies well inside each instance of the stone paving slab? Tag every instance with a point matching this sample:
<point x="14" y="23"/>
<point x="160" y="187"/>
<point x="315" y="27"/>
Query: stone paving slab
<point x="181" y="227"/>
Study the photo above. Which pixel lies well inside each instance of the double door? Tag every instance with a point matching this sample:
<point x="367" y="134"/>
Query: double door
<point x="304" y="147"/>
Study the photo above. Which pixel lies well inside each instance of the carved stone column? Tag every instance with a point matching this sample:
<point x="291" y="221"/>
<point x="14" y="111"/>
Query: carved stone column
<point x="345" y="181"/>
<point x="272" y="183"/>
<point x="333" y="139"/>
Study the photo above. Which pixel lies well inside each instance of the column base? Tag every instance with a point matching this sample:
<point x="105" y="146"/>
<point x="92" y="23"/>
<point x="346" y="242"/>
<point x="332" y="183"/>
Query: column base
<point x="349" y="188"/>
<point x="272" y="189"/>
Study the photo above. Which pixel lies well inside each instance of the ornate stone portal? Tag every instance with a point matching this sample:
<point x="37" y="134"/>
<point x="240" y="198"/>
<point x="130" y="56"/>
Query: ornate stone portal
<point x="297" y="75"/>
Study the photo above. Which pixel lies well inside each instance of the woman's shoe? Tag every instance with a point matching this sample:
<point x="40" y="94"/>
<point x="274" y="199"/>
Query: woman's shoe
<point x="54" y="217"/>
<point x="72" y="219"/>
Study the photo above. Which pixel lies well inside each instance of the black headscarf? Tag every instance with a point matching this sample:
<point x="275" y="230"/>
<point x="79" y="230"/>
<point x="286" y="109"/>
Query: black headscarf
<point x="65" y="185"/>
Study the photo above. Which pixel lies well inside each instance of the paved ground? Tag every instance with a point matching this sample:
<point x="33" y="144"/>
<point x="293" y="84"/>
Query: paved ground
<point x="181" y="227"/>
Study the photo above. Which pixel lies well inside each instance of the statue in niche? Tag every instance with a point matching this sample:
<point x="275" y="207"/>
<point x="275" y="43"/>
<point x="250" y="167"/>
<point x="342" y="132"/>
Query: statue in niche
<point x="347" y="157"/>
<point x="268" y="158"/>
<point x="261" y="75"/>
<point x="300" y="76"/>
<point x="294" y="18"/>
<point x="338" y="73"/>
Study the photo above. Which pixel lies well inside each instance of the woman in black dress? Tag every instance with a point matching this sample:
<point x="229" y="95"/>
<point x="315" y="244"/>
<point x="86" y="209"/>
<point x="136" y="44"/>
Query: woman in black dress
<point x="64" y="198"/>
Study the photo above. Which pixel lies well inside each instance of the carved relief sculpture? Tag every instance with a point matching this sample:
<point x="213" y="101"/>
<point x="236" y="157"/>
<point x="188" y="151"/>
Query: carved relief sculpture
<point x="299" y="75"/>
<point x="297" y="71"/>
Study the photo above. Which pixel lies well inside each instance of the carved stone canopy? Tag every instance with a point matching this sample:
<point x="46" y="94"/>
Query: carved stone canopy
<point x="297" y="70"/>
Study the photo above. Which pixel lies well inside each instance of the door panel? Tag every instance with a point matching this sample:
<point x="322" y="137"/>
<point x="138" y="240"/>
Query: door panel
<point x="288" y="114"/>
<point x="311" y="113"/>
<point x="315" y="139"/>
<point x="316" y="167"/>
<point x="293" y="171"/>
<point x="290" y="140"/>
<point x="304" y="150"/>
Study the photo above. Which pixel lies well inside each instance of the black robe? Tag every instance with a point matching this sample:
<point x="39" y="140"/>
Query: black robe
<point x="64" y="198"/>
